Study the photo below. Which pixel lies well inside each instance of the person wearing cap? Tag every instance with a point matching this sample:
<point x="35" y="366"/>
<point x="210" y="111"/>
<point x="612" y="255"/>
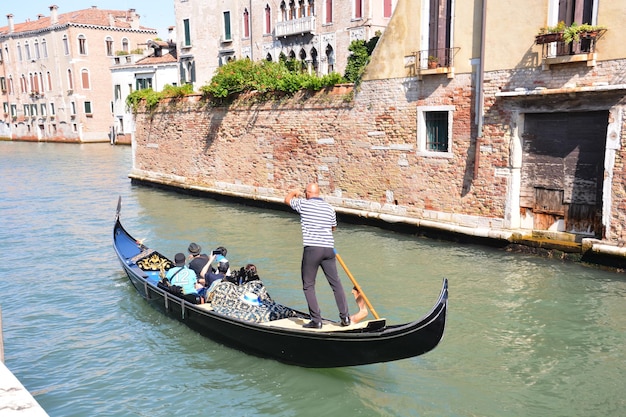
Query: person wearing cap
<point x="181" y="275"/>
<point x="318" y="221"/>
<point x="197" y="260"/>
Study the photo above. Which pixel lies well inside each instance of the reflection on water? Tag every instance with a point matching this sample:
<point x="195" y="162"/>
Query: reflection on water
<point x="526" y="336"/>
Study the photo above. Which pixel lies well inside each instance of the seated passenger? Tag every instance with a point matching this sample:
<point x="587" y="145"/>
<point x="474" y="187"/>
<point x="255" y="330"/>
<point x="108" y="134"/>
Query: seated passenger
<point x="223" y="269"/>
<point x="197" y="260"/>
<point x="182" y="276"/>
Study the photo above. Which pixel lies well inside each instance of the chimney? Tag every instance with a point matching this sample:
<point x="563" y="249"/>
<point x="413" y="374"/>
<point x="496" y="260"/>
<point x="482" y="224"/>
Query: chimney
<point x="39" y="16"/>
<point x="134" y="19"/>
<point x="54" y="15"/>
<point x="11" y="26"/>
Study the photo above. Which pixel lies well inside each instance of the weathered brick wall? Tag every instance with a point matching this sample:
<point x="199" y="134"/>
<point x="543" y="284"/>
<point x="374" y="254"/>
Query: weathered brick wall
<point x="364" y="152"/>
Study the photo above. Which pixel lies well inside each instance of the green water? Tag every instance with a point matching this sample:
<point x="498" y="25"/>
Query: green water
<point x="526" y="336"/>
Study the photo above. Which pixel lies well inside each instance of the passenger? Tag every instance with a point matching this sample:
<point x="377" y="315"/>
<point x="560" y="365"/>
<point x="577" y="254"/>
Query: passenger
<point x="182" y="276"/>
<point x="197" y="260"/>
<point x="223" y="269"/>
<point x="360" y="302"/>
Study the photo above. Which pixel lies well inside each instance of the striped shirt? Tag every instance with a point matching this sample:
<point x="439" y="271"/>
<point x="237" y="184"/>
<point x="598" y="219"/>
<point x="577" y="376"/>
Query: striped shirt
<point x="317" y="219"/>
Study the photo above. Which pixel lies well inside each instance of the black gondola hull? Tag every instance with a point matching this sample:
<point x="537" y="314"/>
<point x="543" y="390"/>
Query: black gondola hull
<point x="320" y="349"/>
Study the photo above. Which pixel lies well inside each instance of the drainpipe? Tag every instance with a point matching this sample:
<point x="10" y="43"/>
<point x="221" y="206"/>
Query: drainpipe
<point x="251" y="32"/>
<point x="480" y="93"/>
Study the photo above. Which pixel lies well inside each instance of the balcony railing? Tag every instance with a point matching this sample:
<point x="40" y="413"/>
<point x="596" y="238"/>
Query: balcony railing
<point x="554" y="45"/>
<point x="431" y="59"/>
<point x="296" y="26"/>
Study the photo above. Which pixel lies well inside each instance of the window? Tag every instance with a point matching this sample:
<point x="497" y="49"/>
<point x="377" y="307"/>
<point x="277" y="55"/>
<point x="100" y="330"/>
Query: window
<point x="37" y="53"/>
<point x="13" y="110"/>
<point x="27" y="49"/>
<point x="434" y="130"/>
<point x="283" y="11"/>
<point x="358" y="9"/>
<point x="88" y="107"/>
<point x="49" y="76"/>
<point x="82" y="45"/>
<point x="3" y="84"/>
<point x="5" y="106"/>
<point x="117" y="92"/>
<point x="23" y="84"/>
<point x="227" y="33"/>
<point x="268" y="19"/>
<point x="26" y="110"/>
<point x="19" y="52"/>
<point x="70" y="81"/>
<point x="246" y="24"/>
<point x="44" y="48"/>
<point x="84" y="76"/>
<point x="439" y="30"/>
<point x="52" y="112"/>
<point x="187" y="30"/>
<point x="73" y="109"/>
<point x="386" y="8"/>
<point x="328" y="12"/>
<point x="33" y="110"/>
<point x="11" y="88"/>
<point x="125" y="45"/>
<point x="6" y="53"/>
<point x="143" y="83"/>
<point x="109" y="45"/>
<point x="66" y="45"/>
<point x="44" y="110"/>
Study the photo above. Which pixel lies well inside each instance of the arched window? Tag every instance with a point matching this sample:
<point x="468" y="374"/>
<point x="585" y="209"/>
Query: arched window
<point x="19" y="52"/>
<point x="84" y="77"/>
<point x="283" y="11"/>
<point x="301" y="8"/>
<point x="82" y="45"/>
<point x="314" y="60"/>
<point x="108" y="42"/>
<point x="268" y="19"/>
<point x="27" y="49"/>
<point x="268" y="57"/>
<point x="66" y="45"/>
<point x="49" y="76"/>
<point x="330" y="58"/>
<point x="44" y="48"/>
<point x="125" y="45"/>
<point x="246" y="23"/>
<point x="11" y="86"/>
<point x="23" y="83"/>
<point x="292" y="9"/>
<point x="70" y="81"/>
<point x="37" y="53"/>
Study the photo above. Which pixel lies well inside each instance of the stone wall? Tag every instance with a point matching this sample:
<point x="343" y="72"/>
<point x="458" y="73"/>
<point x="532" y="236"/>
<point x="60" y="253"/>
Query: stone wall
<point x="365" y="152"/>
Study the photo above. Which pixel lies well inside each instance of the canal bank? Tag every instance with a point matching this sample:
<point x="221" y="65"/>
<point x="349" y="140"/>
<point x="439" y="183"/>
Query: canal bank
<point x="15" y="400"/>
<point x="557" y="245"/>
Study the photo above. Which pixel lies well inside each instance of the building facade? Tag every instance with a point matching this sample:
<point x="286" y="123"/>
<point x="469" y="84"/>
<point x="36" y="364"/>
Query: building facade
<point x="54" y="73"/>
<point x="316" y="32"/>
<point x="135" y="72"/>
<point x="504" y="137"/>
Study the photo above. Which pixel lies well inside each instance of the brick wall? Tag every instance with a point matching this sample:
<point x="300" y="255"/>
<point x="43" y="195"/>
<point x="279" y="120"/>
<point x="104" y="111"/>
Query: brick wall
<point x="363" y="152"/>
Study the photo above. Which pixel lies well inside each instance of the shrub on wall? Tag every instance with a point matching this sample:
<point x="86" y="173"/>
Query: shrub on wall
<point x="265" y="77"/>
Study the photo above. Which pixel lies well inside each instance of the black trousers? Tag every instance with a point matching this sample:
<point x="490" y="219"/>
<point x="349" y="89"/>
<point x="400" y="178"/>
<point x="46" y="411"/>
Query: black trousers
<point x="314" y="257"/>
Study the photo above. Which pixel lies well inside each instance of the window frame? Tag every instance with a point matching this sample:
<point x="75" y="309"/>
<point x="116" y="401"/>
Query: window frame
<point x="187" y="32"/>
<point x="227" y="29"/>
<point x="422" y="131"/>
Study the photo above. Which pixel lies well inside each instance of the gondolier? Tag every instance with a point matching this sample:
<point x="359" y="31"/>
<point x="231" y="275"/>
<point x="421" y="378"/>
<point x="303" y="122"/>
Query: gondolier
<point x="318" y="220"/>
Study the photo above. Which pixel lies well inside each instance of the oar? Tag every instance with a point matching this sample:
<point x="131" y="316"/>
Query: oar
<point x="357" y="286"/>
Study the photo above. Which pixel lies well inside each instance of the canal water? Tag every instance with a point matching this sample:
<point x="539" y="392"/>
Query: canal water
<point x="526" y="336"/>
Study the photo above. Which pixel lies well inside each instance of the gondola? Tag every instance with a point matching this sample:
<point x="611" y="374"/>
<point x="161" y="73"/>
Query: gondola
<point x="282" y="339"/>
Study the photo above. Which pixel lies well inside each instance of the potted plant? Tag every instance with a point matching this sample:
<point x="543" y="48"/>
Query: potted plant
<point x="433" y="62"/>
<point x="548" y="34"/>
<point x="567" y="34"/>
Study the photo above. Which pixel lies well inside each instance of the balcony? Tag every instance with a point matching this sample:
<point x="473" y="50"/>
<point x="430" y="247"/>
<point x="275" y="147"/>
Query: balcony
<point x="562" y="48"/>
<point x="296" y="26"/>
<point x="435" y="61"/>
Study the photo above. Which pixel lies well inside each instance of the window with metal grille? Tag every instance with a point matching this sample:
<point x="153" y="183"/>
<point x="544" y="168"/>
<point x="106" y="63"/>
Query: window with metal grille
<point x="436" y="131"/>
